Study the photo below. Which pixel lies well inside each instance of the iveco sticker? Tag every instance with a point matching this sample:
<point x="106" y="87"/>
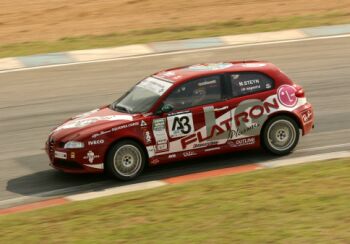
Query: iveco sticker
<point x="96" y="142"/>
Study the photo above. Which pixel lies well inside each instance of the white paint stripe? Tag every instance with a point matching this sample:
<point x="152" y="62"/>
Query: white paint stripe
<point x="177" y="52"/>
<point x="306" y="159"/>
<point x="323" y="147"/>
<point x="116" y="190"/>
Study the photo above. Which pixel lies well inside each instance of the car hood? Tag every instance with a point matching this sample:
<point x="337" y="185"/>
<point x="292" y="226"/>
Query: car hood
<point x="90" y="122"/>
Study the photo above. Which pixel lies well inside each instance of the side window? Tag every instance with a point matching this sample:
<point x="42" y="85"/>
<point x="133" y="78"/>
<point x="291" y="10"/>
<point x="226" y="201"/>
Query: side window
<point x="244" y="83"/>
<point x="196" y="92"/>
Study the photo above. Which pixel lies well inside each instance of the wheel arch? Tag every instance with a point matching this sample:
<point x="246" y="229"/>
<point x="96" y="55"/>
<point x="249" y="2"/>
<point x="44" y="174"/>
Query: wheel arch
<point x="282" y="113"/>
<point x="287" y="115"/>
<point x="126" y="138"/>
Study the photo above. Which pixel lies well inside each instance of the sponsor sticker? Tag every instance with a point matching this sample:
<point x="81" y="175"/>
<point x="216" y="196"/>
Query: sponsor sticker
<point x="91" y="156"/>
<point x="307" y="116"/>
<point x="60" y="155"/>
<point x="100" y="133"/>
<point x="154" y="161"/>
<point x="172" y="155"/>
<point x="205" y="83"/>
<point x="189" y="154"/>
<point x="242" y="142"/>
<point x="180" y="125"/>
<point x="286" y="95"/>
<point x="155" y="85"/>
<point x="96" y="142"/>
<point x="161" y="137"/>
<point x="147" y="136"/>
<point x="125" y="126"/>
<point x="143" y="123"/>
<point x="162" y="147"/>
<point x="151" y="151"/>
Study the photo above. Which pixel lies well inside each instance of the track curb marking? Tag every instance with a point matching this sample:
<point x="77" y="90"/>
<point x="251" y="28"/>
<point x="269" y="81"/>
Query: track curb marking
<point x="129" y="51"/>
<point x="34" y="206"/>
<point x="212" y="173"/>
<point x="174" y="180"/>
<point x="116" y="190"/>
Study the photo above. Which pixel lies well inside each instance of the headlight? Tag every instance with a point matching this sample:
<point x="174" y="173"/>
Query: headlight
<point x="74" y="144"/>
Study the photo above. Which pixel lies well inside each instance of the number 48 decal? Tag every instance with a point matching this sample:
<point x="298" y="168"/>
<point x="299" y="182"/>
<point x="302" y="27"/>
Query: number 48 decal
<point x="180" y="125"/>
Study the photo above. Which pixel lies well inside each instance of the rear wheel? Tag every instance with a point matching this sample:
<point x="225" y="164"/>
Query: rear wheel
<point x="126" y="160"/>
<point x="280" y="135"/>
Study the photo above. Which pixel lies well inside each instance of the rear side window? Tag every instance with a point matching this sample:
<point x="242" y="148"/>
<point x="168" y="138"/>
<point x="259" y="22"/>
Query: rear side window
<point x="196" y="92"/>
<point x="245" y="83"/>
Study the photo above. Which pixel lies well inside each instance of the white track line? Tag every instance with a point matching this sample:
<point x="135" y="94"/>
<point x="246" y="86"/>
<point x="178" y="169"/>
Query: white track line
<point x="178" y="52"/>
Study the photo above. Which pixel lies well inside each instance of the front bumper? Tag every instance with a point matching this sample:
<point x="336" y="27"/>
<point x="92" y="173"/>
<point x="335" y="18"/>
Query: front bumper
<point x="306" y="118"/>
<point x="70" y="160"/>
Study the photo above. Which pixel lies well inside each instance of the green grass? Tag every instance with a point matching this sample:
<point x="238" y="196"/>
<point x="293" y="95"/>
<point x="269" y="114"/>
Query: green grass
<point x="171" y="33"/>
<point x="297" y="204"/>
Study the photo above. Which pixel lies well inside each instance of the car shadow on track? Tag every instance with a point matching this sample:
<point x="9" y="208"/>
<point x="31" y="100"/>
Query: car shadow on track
<point x="56" y="183"/>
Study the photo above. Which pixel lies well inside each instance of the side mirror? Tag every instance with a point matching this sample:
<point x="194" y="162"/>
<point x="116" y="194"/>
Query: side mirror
<point x="166" y="108"/>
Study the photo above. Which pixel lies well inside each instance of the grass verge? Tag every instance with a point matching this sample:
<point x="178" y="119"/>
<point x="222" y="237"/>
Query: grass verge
<point x="298" y="204"/>
<point x="165" y="34"/>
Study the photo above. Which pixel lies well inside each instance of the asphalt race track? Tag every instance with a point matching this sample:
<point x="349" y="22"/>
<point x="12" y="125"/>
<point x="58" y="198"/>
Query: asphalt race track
<point x="34" y="101"/>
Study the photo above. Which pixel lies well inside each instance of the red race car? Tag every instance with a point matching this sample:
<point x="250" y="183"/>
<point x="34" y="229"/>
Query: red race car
<point x="183" y="113"/>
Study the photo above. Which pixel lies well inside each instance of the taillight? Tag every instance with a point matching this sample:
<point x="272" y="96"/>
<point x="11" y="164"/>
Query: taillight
<point x="300" y="91"/>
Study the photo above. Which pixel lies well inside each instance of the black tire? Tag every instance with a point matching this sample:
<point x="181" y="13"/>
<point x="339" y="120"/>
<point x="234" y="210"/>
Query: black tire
<point x="280" y="135"/>
<point x="124" y="156"/>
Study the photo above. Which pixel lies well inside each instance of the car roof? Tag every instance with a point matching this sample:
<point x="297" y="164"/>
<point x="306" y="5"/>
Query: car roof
<point x="185" y="73"/>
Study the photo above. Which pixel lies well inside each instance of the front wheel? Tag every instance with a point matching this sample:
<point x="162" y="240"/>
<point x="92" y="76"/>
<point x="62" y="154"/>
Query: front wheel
<point x="280" y="135"/>
<point x="126" y="160"/>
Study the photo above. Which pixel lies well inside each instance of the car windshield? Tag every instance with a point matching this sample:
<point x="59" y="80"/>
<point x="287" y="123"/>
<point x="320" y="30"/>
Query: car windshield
<point x="141" y="97"/>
